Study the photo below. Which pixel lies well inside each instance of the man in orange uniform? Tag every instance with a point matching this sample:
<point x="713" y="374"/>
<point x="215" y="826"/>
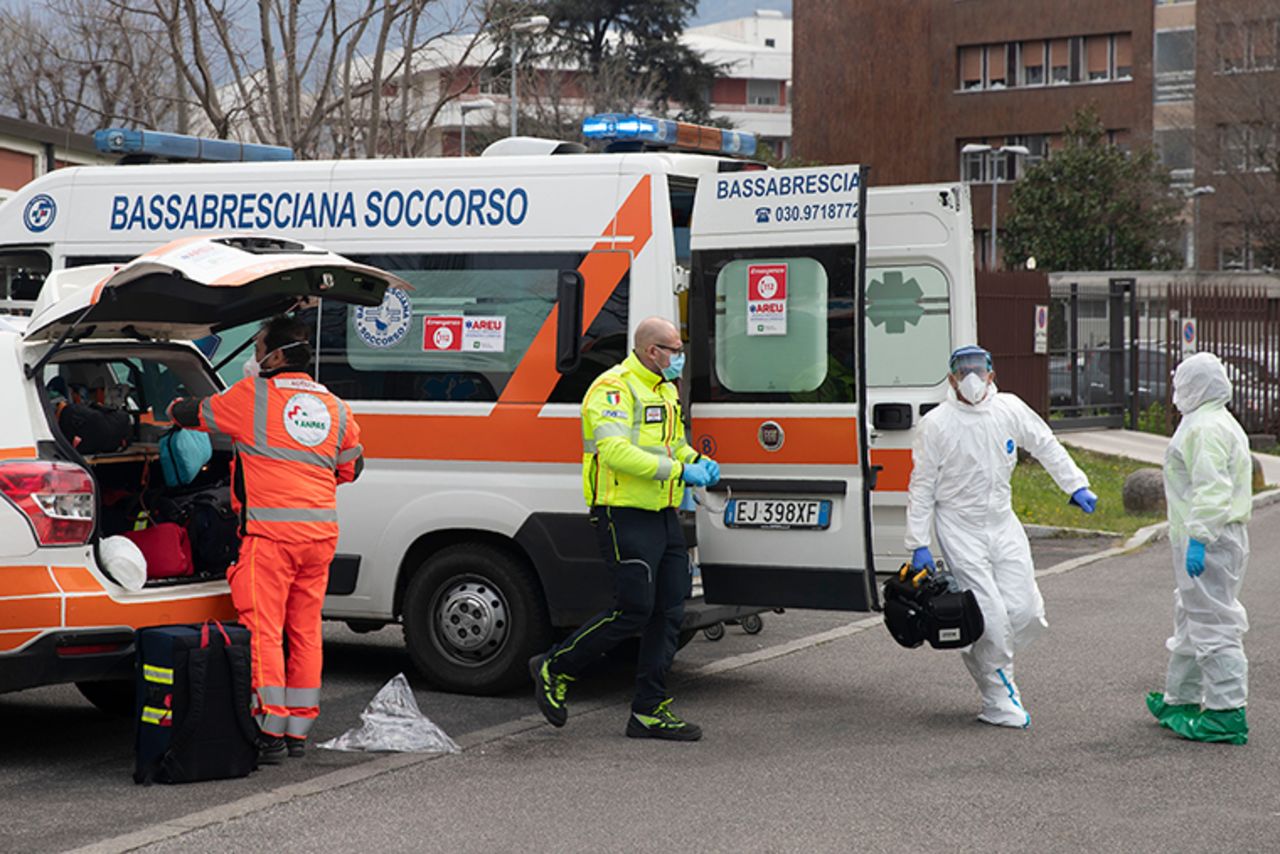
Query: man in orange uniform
<point x="294" y="443"/>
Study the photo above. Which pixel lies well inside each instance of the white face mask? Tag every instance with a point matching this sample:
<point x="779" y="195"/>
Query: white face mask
<point x="251" y="366"/>
<point x="973" y="388"/>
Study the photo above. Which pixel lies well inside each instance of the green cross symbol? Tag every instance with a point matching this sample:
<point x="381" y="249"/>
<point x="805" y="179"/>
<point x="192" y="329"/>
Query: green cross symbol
<point x="893" y="303"/>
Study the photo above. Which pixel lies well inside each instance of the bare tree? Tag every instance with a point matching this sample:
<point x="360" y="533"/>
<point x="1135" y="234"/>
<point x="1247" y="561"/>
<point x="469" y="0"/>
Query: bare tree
<point x="78" y="65"/>
<point x="335" y="77"/>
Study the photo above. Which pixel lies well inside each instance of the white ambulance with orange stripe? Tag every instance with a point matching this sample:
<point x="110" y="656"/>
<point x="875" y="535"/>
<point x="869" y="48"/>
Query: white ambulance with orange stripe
<point x="529" y="268"/>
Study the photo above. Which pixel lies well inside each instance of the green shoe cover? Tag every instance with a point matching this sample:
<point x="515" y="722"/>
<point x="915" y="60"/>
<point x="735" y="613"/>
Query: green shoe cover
<point x="1159" y="708"/>
<point x="1212" y="725"/>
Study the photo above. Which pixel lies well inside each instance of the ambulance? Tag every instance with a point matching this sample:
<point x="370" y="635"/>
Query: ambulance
<point x="819" y="315"/>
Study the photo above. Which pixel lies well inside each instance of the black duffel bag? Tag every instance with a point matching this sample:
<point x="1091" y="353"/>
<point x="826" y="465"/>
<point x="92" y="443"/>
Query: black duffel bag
<point x="920" y="606"/>
<point x="212" y="526"/>
<point x="95" y="429"/>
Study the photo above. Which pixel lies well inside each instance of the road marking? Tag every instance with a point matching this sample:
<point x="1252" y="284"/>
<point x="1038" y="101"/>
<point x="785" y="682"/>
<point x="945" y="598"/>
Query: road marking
<point x="385" y="764"/>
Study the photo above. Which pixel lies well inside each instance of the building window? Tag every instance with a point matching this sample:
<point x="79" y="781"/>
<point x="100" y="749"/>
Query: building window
<point x="1175" y="65"/>
<point x="1247" y="147"/>
<point x="1124" y="56"/>
<point x="1032" y="54"/>
<point x="1233" y="148"/>
<point x="1248" y="45"/>
<point x="1233" y="247"/>
<point x="1059" y="61"/>
<point x="762" y="92"/>
<point x="770" y="43"/>
<point x="1263" y="153"/>
<point x="996" y="66"/>
<point x="1175" y="51"/>
<point x="971" y="68"/>
<point x="1037" y="145"/>
<point x="1075" y="46"/>
<point x="1176" y="153"/>
<point x="1097" y="50"/>
<point x="973" y="167"/>
<point x="1233" y="47"/>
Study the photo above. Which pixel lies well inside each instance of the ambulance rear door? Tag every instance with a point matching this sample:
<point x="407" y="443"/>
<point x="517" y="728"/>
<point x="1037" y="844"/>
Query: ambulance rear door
<point x="920" y="306"/>
<point x="778" y="387"/>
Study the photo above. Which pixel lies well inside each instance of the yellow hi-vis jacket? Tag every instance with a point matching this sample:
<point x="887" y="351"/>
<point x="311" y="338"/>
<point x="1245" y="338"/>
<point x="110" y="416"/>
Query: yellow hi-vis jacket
<point x="633" y="443"/>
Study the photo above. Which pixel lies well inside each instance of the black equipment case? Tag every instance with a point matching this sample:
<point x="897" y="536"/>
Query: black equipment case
<point x="193" y="701"/>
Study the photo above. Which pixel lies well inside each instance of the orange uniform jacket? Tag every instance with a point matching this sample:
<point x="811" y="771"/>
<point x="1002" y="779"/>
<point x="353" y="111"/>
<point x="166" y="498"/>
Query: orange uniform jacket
<point x="290" y="458"/>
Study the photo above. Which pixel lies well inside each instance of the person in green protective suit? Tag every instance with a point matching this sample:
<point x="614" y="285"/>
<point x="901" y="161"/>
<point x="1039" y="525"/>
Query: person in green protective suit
<point x="1208" y="488"/>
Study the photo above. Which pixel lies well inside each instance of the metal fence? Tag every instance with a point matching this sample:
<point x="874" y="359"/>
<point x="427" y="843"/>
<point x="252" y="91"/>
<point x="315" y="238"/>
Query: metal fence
<point x="1240" y="324"/>
<point x="1114" y="343"/>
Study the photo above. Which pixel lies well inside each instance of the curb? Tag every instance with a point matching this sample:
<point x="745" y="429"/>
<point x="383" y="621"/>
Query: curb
<point x="1053" y="532"/>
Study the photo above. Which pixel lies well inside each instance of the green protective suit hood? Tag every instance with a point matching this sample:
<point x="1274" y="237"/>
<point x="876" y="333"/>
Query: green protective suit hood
<point x="1200" y="379"/>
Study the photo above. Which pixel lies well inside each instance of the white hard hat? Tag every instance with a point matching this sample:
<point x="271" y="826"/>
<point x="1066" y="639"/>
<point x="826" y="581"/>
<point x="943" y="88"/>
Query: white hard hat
<point x="123" y="561"/>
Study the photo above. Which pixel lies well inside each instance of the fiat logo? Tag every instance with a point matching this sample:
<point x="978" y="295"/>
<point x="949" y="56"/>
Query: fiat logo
<point x="771" y="435"/>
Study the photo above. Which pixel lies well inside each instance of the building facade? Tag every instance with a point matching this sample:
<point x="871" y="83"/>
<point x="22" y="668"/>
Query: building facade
<point x="933" y="90"/>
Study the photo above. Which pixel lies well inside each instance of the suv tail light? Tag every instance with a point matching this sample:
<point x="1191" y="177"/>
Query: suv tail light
<point x="56" y="498"/>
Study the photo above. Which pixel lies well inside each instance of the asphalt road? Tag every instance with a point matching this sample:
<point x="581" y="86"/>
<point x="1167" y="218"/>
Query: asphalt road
<point x="64" y="776"/>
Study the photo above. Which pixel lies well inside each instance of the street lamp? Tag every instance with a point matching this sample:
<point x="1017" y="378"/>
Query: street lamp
<point x="1193" y="257"/>
<point x="471" y="107"/>
<point x="983" y="148"/>
<point x="532" y="26"/>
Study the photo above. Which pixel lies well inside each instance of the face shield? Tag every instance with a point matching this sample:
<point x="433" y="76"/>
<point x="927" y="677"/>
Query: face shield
<point x="971" y="370"/>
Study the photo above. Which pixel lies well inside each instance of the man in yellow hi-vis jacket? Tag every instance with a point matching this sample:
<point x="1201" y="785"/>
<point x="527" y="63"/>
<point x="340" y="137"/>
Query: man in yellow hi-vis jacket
<point x="635" y="465"/>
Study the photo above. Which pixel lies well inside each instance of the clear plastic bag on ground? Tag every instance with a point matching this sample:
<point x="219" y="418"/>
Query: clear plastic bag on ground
<point x="393" y="722"/>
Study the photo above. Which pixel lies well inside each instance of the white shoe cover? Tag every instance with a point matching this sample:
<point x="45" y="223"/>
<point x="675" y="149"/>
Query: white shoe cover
<point x="1015" y="718"/>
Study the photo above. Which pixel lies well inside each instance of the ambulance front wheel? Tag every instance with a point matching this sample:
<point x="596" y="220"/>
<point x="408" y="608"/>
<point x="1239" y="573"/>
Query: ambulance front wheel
<point x="473" y="615"/>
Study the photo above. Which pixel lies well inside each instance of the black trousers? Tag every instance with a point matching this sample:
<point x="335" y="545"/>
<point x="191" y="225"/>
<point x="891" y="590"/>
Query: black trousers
<point x="649" y="559"/>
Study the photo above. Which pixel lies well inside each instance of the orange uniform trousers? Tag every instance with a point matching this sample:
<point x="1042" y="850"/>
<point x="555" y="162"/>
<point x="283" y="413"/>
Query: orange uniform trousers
<point x="278" y="589"/>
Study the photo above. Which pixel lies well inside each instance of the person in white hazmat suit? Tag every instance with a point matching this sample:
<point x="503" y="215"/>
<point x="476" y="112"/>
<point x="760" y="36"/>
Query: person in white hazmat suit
<point x="1208" y="488"/>
<point x="963" y="458"/>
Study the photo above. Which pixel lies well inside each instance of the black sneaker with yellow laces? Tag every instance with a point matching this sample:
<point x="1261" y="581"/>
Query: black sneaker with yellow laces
<point x="662" y="723"/>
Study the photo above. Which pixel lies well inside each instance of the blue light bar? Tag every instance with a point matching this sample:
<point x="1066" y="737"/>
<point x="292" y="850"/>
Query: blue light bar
<point x="628" y="127"/>
<point x="176" y="146"/>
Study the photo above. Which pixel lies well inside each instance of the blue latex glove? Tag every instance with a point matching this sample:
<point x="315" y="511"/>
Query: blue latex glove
<point x="922" y="558"/>
<point x="1195" y="558"/>
<point x="713" y="468"/>
<point x="696" y="474"/>
<point x="1084" y="499"/>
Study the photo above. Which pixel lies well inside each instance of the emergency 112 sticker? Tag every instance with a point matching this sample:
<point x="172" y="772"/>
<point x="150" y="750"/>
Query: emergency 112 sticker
<point x="767" y="299"/>
<point x="459" y="334"/>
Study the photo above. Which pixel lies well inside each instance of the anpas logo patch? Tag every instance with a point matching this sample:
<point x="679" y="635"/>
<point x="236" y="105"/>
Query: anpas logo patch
<point x="307" y="419"/>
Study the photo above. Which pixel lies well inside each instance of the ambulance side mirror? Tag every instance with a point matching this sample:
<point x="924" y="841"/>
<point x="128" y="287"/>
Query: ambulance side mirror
<point x="569" y="288"/>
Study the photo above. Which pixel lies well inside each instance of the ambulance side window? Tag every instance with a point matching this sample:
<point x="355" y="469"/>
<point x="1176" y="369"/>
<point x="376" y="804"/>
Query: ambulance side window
<point x="459" y="335"/>
<point x="22" y="272"/>
<point x="908" y="326"/>
<point x="774" y="327"/>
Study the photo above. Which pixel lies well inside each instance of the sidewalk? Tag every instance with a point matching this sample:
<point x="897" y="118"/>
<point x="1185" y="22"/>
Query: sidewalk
<point x="1146" y="447"/>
